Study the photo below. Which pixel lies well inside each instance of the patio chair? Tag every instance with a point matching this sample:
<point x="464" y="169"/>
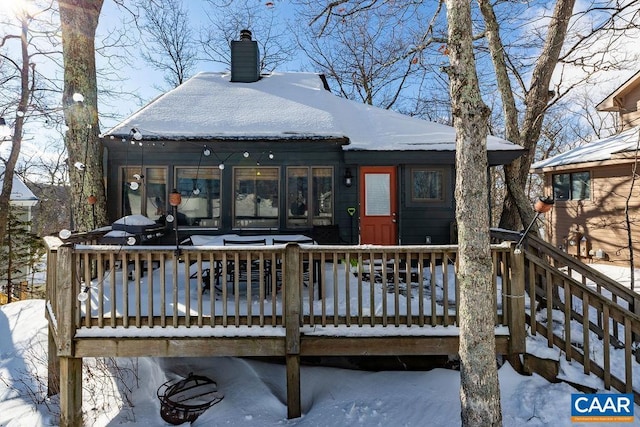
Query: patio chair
<point x="305" y="263"/>
<point x="242" y="268"/>
<point x="206" y="278"/>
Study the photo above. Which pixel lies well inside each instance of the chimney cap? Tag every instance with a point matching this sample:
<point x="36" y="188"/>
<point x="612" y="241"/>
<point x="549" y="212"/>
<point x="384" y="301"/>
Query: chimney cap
<point x="245" y="35"/>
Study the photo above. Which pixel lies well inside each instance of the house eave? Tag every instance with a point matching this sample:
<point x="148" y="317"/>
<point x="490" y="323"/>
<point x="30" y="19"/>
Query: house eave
<point x="285" y="136"/>
<point x="611" y="103"/>
<point x="23" y="203"/>
<point x="494" y="157"/>
<point x="583" y="165"/>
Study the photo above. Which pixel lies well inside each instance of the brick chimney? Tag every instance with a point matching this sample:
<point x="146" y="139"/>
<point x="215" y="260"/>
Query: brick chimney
<point x="245" y="59"/>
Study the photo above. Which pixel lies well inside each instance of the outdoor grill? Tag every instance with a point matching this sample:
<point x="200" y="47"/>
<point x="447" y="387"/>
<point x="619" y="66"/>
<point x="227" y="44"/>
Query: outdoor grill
<point x="133" y="230"/>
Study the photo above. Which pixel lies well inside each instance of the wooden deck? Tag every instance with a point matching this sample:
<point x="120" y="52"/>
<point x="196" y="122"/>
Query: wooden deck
<point x="290" y="301"/>
<point x="293" y="301"/>
<point x="339" y="295"/>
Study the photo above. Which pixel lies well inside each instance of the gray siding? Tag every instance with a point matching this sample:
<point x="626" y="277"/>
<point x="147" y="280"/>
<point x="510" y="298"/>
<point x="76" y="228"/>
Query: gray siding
<point x="415" y="220"/>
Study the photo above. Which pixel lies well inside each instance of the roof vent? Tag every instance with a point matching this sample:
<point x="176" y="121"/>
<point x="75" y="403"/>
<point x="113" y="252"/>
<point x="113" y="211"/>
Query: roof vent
<point x="245" y="59"/>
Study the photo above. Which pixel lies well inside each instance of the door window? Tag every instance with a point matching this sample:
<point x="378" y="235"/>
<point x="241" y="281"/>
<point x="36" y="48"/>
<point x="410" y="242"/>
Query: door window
<point x="377" y="196"/>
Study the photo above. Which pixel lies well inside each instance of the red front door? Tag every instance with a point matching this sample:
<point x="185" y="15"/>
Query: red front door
<point x="378" y="205"/>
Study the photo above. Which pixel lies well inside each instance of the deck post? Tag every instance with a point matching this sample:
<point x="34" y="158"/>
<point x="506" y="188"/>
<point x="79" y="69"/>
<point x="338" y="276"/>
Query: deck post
<point x="292" y="303"/>
<point x="65" y="310"/>
<point x="515" y="299"/>
<point x="64" y="307"/>
<point x="53" y="367"/>
<point x="53" y="361"/>
<point x="70" y="392"/>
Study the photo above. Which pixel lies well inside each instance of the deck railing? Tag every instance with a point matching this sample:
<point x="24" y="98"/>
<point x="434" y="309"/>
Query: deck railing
<point x="138" y="286"/>
<point x="587" y="315"/>
<point x="284" y="294"/>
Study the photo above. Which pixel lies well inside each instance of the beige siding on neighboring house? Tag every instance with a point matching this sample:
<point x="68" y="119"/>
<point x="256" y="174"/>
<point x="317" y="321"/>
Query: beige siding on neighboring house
<point x="629" y="112"/>
<point x="600" y="220"/>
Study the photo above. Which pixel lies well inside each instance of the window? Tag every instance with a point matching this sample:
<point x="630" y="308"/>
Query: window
<point x="297" y="196"/>
<point x="200" y="191"/>
<point x="309" y="196"/>
<point x="572" y="186"/>
<point x="256" y="197"/>
<point x="427" y="185"/>
<point x="144" y="191"/>
<point x="378" y="194"/>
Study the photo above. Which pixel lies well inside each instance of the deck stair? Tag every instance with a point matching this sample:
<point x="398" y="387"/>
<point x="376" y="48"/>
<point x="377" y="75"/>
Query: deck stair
<point x="595" y="320"/>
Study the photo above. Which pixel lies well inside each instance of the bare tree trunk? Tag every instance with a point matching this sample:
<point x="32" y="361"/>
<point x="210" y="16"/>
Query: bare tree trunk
<point x="79" y="19"/>
<point x="9" y="266"/>
<point x="479" y="392"/>
<point x="16" y="139"/>
<point x="170" y="47"/>
<point x="517" y="209"/>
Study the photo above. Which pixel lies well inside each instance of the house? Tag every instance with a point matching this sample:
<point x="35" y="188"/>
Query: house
<point x="22" y="198"/>
<point x="592" y="183"/>
<point x="279" y="152"/>
<point x="21" y="201"/>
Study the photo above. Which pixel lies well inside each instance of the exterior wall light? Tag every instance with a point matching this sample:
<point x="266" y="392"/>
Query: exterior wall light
<point x="348" y="178"/>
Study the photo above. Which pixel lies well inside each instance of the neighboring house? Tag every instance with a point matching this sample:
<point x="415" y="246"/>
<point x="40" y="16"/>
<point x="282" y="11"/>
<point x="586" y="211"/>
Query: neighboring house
<point x="591" y="185"/>
<point x="281" y="153"/>
<point x="22" y="200"/>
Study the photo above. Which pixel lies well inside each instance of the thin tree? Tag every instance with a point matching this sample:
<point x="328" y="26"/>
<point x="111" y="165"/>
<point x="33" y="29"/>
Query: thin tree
<point x="226" y="18"/>
<point x="79" y="22"/>
<point x="567" y="42"/>
<point x="21" y="251"/>
<point x="168" y="39"/>
<point x="479" y="390"/>
<point x="25" y="77"/>
<point x="517" y="208"/>
<point x="373" y="56"/>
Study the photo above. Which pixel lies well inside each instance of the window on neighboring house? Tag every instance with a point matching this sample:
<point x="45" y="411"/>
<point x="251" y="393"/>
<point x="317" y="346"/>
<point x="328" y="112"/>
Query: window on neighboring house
<point x="427" y="185"/>
<point x="256" y="197"/>
<point x="572" y="186"/>
<point x="309" y="196"/>
<point x="144" y="191"/>
<point x="200" y="191"/>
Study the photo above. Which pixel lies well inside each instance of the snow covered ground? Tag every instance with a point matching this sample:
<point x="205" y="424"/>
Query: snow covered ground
<point x="123" y="391"/>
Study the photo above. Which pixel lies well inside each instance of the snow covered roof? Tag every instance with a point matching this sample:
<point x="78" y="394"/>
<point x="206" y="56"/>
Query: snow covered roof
<point x="20" y="193"/>
<point x="283" y="106"/>
<point x="600" y="150"/>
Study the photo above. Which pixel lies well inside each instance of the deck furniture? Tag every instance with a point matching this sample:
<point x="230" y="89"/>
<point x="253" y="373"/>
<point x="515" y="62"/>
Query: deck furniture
<point x="306" y="276"/>
<point x="247" y="270"/>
